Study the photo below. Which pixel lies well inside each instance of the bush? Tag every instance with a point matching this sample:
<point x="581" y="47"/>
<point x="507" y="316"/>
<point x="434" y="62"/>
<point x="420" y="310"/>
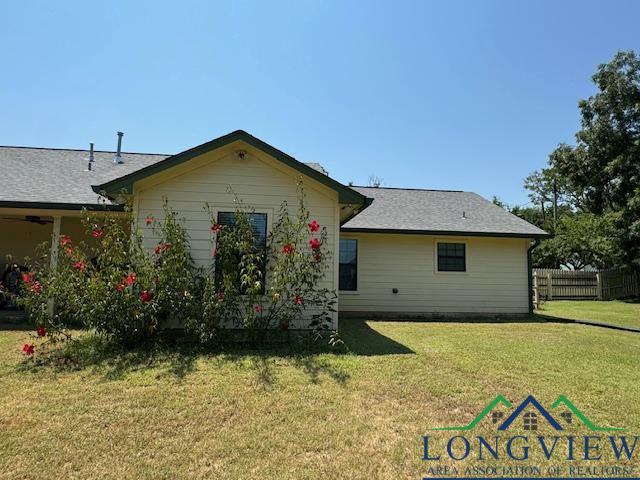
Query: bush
<point x="119" y="289"/>
<point x="294" y="261"/>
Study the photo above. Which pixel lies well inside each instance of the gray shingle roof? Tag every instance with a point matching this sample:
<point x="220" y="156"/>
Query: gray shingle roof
<point x="60" y="176"/>
<point x="437" y="211"/>
<point x="52" y="175"/>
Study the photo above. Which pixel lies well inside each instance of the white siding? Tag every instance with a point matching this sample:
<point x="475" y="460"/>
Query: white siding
<point x="258" y="180"/>
<point x="495" y="280"/>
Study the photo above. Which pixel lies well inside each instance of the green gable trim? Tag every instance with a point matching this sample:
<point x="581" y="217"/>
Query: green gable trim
<point x="125" y="183"/>
<point x="62" y="206"/>
<point x="443" y="233"/>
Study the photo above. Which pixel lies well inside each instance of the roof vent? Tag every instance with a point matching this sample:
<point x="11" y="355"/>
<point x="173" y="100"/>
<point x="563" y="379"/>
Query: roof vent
<point x="464" y="214"/>
<point x="118" y="157"/>
<point x="91" y="159"/>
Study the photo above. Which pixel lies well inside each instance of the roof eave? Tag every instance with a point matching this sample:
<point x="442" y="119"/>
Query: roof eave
<point x="125" y="183"/>
<point x="445" y="232"/>
<point x="61" y="206"/>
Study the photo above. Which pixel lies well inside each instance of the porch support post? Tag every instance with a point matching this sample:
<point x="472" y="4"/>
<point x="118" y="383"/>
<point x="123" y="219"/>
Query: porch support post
<point x="53" y="258"/>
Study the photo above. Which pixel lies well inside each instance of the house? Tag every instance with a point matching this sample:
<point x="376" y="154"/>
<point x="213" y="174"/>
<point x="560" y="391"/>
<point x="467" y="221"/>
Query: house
<point x="397" y="252"/>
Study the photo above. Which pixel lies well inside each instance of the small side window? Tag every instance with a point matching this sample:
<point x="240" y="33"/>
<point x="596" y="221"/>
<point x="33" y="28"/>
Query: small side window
<point x="348" y="265"/>
<point x="452" y="257"/>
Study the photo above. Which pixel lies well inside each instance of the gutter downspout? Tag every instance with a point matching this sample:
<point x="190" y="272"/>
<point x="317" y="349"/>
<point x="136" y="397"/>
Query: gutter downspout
<point x="536" y="242"/>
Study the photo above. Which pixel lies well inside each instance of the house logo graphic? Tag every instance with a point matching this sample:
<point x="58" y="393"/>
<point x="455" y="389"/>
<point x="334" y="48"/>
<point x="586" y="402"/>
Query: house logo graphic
<point x="532" y="413"/>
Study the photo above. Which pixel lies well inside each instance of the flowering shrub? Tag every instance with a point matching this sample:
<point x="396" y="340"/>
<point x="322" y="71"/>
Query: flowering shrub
<point x="123" y="288"/>
<point x="297" y="258"/>
<point x="113" y="285"/>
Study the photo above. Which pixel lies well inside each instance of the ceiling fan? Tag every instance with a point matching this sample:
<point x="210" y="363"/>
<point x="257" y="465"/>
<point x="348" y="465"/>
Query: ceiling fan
<point x="30" y="219"/>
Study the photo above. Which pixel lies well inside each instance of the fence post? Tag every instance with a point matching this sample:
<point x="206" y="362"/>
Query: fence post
<point x="549" y="286"/>
<point x="599" y="285"/>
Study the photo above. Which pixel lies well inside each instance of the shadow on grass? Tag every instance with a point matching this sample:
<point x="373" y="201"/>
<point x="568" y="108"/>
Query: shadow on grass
<point x="364" y="340"/>
<point x="176" y="357"/>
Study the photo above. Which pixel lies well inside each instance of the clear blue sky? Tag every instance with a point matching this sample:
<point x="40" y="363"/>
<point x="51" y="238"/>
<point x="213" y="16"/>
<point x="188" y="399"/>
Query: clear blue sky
<point x="452" y="95"/>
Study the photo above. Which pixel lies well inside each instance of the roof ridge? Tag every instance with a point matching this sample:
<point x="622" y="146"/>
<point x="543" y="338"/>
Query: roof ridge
<point x="414" y="189"/>
<point x="85" y="150"/>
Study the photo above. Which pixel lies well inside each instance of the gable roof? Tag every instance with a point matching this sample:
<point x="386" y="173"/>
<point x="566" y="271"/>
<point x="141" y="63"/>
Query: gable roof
<point x="57" y="178"/>
<point x="437" y="212"/>
<point x="125" y="183"/>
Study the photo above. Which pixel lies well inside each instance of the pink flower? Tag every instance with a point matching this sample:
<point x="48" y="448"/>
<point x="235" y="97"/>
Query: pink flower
<point x="298" y="300"/>
<point x="28" y="349"/>
<point x="36" y="287"/>
<point x="80" y="265"/>
<point x="27" y="277"/>
<point x="97" y="233"/>
<point x="148" y="220"/>
<point x="65" y="240"/>
<point x="314" y="226"/>
<point x="131" y="278"/>
<point x="41" y="331"/>
<point x="69" y="251"/>
<point x="287" y="249"/>
<point x="145" y="296"/>
<point x="216" y="228"/>
<point x="257" y="308"/>
<point x="314" y="243"/>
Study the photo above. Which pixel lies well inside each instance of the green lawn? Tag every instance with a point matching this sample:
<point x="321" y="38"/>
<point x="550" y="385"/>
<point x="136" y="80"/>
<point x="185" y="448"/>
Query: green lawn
<point x="278" y="415"/>
<point x="616" y="312"/>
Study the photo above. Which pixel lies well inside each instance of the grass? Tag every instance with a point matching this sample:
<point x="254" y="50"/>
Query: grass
<point x="179" y="413"/>
<point x="615" y="312"/>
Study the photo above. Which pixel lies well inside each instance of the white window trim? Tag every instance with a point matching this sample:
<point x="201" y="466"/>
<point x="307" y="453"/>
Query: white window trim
<point x="357" y="290"/>
<point x="435" y="256"/>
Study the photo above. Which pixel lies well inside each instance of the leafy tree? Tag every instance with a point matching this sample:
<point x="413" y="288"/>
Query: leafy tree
<point x="603" y="169"/>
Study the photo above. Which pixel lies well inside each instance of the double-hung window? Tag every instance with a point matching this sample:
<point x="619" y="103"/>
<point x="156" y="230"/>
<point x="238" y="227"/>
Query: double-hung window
<point x="348" y="265"/>
<point x="258" y="223"/>
<point x="452" y="257"/>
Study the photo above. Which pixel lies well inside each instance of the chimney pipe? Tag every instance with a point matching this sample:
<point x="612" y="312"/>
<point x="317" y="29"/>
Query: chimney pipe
<point x="90" y="157"/>
<point x="118" y="157"/>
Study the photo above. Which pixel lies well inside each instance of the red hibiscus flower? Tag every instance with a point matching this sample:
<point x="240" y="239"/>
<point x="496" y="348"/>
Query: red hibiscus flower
<point x="41" y="331"/>
<point x="68" y="251"/>
<point x="131" y="278"/>
<point x="257" y="308"/>
<point x="314" y="243"/>
<point x="28" y="349"/>
<point x="157" y="250"/>
<point x="65" y="240"/>
<point x="97" y="233"/>
<point x="120" y="286"/>
<point x="148" y="220"/>
<point x="145" y="296"/>
<point x="287" y="249"/>
<point x="216" y="228"/>
<point x="80" y="265"/>
<point x="219" y="296"/>
<point x="298" y="300"/>
<point x="317" y="257"/>
<point x="165" y="247"/>
<point x="314" y="226"/>
<point x="36" y="287"/>
<point x="27" y="277"/>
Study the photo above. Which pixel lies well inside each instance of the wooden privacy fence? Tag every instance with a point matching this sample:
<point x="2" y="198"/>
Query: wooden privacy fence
<point x="556" y="284"/>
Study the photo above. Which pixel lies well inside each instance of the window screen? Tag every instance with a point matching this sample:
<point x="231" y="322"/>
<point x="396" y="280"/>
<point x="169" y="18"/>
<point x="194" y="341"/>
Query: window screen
<point x="259" y="224"/>
<point x="452" y="257"/>
<point x="348" y="265"/>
